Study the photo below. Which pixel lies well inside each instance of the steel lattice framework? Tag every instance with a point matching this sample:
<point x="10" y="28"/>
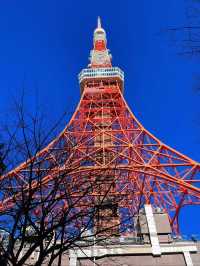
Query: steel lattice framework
<point x="104" y="139"/>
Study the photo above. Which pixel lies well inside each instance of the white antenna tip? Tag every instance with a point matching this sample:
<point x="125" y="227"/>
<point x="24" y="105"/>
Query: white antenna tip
<point x="99" y="22"/>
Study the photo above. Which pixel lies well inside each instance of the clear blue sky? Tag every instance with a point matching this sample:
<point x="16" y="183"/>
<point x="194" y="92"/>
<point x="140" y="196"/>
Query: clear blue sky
<point x="44" y="44"/>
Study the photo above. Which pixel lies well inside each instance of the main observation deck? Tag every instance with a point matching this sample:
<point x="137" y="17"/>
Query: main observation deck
<point x="108" y="74"/>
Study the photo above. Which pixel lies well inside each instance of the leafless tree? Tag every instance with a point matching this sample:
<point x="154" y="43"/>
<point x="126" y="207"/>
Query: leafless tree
<point x="186" y="37"/>
<point x="43" y="208"/>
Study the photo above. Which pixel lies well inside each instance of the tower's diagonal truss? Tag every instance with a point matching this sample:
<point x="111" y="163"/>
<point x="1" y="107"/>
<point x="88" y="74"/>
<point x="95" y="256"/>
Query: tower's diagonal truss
<point x="104" y="139"/>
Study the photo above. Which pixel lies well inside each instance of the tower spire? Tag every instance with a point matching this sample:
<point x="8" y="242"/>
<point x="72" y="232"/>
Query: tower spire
<point x="99" y="22"/>
<point x="99" y="56"/>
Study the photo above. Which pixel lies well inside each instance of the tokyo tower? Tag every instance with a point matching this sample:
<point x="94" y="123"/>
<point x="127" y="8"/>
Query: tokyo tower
<point x="106" y="145"/>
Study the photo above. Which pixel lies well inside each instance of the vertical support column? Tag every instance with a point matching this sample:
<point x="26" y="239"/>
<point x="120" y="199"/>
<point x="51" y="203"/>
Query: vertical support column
<point x="72" y="258"/>
<point x="152" y="230"/>
<point x="188" y="259"/>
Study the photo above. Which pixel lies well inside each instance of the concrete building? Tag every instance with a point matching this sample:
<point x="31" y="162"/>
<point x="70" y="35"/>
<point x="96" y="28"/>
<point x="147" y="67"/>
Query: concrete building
<point x="154" y="245"/>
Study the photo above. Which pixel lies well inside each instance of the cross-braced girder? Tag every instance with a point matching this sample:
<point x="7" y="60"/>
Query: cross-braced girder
<point x="104" y="139"/>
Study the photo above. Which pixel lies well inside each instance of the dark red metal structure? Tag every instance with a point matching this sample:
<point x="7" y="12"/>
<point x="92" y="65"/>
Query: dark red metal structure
<point x="105" y="142"/>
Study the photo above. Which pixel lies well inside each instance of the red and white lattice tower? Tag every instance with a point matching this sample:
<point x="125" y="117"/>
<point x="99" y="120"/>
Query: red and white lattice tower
<point x="109" y="145"/>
